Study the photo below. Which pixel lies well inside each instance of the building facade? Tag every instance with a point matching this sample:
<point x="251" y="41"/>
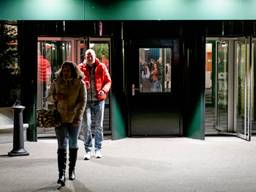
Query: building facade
<point x="175" y="72"/>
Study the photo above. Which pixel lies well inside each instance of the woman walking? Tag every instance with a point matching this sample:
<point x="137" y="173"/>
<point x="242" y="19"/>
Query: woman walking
<point x="69" y="96"/>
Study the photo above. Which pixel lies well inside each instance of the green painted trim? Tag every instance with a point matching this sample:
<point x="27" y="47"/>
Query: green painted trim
<point x="117" y="119"/>
<point x="128" y="10"/>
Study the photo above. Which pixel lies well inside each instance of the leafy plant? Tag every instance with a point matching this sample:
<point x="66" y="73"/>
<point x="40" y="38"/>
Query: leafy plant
<point x="9" y="68"/>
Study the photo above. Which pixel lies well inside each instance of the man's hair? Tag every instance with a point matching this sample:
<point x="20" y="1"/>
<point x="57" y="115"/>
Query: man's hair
<point x="90" y="51"/>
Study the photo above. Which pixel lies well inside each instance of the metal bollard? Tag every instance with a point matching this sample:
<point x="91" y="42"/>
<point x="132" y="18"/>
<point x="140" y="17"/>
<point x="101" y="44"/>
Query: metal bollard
<point x="18" y="132"/>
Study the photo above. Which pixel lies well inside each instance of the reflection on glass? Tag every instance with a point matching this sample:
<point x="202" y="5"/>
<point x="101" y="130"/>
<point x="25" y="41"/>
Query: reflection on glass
<point x="209" y="84"/>
<point x="242" y="104"/>
<point x="51" y="54"/>
<point x="253" y="80"/>
<point x="155" y="69"/>
<point x="222" y="86"/>
<point x="240" y="86"/>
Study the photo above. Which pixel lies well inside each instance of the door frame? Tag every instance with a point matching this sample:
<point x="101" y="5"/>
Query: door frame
<point x="138" y="100"/>
<point x="232" y="87"/>
<point x="108" y="105"/>
<point x="76" y="56"/>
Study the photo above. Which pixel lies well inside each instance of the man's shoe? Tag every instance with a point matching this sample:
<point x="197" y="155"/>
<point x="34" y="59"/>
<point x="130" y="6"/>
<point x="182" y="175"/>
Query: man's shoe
<point x="87" y="155"/>
<point x="98" y="154"/>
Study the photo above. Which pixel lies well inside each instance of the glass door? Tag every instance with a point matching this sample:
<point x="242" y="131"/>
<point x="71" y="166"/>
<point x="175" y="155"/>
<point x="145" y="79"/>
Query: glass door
<point x="222" y="86"/>
<point x="153" y="80"/>
<point x="253" y="80"/>
<point x="101" y="46"/>
<point x="243" y="90"/>
<point x="231" y="77"/>
<point x="52" y="52"/>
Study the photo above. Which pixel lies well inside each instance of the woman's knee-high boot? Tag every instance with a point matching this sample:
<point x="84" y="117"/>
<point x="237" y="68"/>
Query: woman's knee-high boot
<point x="72" y="163"/>
<point x="62" y="159"/>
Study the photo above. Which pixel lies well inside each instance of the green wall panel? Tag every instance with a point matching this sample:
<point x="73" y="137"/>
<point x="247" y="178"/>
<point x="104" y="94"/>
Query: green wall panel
<point x="118" y="121"/>
<point x="137" y="10"/>
<point x="195" y="129"/>
<point x="128" y="9"/>
<point x="42" y="9"/>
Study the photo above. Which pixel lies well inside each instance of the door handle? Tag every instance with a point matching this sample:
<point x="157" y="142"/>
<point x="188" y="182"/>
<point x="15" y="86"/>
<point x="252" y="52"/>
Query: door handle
<point x="134" y="89"/>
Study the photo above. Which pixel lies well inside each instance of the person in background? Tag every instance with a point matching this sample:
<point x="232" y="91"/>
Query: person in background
<point x="69" y="95"/>
<point x="98" y="83"/>
<point x="44" y="72"/>
<point x="156" y="86"/>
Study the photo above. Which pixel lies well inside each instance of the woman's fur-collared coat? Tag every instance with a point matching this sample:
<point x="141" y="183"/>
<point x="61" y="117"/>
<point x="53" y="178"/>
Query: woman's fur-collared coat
<point x="72" y="106"/>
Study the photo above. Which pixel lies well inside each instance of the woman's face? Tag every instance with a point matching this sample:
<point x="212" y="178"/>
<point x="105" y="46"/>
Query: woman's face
<point x="66" y="72"/>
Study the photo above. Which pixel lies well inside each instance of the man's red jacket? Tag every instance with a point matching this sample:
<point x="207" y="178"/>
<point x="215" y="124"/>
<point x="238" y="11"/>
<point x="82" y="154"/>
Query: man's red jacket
<point x="102" y="78"/>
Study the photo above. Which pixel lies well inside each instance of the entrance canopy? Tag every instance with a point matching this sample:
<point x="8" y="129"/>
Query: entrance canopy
<point x="127" y="10"/>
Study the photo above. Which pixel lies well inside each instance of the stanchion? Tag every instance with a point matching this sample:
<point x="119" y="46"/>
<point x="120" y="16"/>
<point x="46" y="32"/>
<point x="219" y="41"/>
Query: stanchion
<point x="18" y="132"/>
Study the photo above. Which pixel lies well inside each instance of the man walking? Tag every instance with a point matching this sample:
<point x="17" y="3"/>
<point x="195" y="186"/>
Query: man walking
<point x="98" y="82"/>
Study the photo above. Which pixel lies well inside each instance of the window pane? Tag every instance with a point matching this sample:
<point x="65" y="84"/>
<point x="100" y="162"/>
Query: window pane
<point x="155" y="69"/>
<point x="51" y="54"/>
<point x="102" y="52"/>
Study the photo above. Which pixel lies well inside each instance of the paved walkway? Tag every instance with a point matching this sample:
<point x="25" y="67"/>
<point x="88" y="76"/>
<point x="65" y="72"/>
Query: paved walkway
<point x="217" y="164"/>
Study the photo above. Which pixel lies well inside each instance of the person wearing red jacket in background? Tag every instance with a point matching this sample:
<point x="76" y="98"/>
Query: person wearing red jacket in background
<point x="98" y="82"/>
<point x="44" y="72"/>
